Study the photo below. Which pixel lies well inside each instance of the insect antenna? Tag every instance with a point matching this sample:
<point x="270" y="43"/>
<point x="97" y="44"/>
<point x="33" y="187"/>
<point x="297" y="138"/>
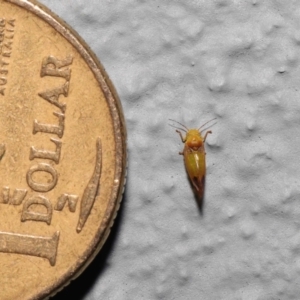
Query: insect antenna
<point x="208" y="127"/>
<point x="185" y="129"/>
<point x="177" y="127"/>
<point x="179" y="124"/>
<point x="207" y="123"/>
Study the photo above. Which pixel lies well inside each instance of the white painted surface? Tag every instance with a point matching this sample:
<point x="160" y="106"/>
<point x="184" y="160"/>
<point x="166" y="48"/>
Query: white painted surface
<point x="191" y="61"/>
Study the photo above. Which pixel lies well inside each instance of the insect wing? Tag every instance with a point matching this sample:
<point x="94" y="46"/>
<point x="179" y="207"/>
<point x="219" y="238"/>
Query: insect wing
<point x="195" y="167"/>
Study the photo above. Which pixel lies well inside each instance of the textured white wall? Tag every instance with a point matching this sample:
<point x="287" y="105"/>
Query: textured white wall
<point x="237" y="60"/>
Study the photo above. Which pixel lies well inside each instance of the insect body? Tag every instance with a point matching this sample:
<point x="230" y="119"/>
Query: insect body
<point x="194" y="156"/>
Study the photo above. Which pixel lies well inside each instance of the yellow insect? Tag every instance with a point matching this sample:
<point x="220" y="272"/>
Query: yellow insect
<point x="194" y="156"/>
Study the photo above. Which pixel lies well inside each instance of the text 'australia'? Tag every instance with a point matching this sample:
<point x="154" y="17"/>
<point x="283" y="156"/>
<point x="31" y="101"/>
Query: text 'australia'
<point x="7" y="32"/>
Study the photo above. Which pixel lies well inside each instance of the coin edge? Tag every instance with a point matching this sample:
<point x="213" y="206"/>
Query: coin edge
<point x="120" y="135"/>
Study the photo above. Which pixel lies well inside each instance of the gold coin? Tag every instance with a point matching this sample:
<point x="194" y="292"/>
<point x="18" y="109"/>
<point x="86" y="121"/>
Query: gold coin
<point x="62" y="152"/>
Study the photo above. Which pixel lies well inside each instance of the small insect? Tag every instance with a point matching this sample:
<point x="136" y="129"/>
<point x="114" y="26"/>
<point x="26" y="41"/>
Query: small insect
<point x="194" y="155"/>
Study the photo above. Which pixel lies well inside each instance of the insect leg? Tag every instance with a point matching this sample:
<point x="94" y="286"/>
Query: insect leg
<point x="182" y="138"/>
<point x="207" y="132"/>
